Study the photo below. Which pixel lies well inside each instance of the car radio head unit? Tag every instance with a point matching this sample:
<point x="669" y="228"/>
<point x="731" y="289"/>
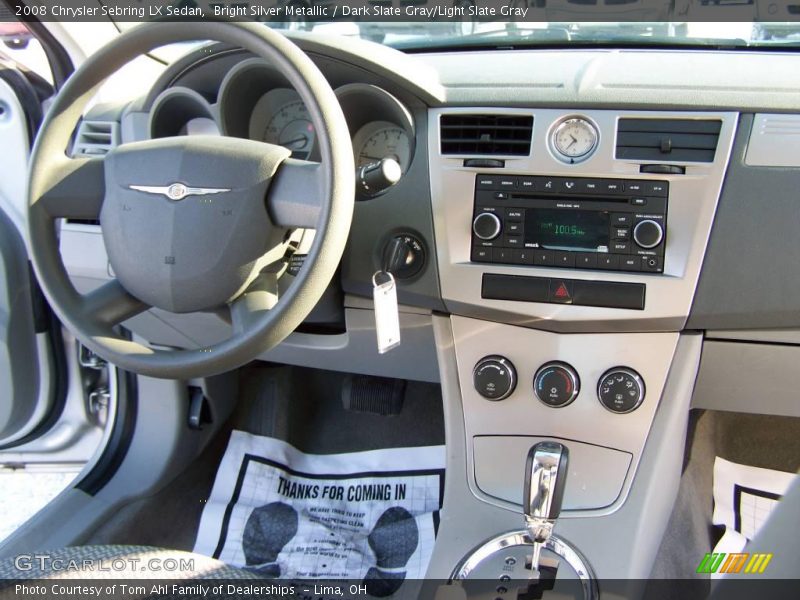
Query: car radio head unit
<point x="608" y="224"/>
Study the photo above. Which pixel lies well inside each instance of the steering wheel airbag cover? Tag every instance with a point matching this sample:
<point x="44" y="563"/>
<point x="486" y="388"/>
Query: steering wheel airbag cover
<point x="198" y="249"/>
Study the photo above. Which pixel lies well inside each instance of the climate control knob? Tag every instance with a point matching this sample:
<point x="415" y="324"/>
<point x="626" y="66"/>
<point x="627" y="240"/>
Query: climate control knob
<point x="486" y="226"/>
<point x="621" y="390"/>
<point x="556" y="384"/>
<point x="494" y="377"/>
<point x="648" y="233"/>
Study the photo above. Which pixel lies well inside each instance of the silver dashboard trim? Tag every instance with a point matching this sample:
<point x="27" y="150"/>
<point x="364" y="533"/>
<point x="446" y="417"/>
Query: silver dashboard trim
<point x="692" y="205"/>
<point x="585" y="419"/>
<point x="774" y="141"/>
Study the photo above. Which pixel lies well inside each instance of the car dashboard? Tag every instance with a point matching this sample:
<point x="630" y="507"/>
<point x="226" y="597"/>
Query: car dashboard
<point x="584" y="224"/>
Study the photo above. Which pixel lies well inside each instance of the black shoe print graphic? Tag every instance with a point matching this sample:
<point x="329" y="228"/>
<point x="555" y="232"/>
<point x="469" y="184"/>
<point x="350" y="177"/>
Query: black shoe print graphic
<point x="393" y="540"/>
<point x="268" y="529"/>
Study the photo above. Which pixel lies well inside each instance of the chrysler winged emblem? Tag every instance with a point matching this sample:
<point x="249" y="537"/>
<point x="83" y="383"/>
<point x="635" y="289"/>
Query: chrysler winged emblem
<point x="177" y="191"/>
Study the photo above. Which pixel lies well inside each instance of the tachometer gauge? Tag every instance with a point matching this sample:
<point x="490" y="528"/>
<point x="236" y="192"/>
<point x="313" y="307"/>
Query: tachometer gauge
<point x="381" y="139"/>
<point x="290" y="127"/>
<point x="574" y="140"/>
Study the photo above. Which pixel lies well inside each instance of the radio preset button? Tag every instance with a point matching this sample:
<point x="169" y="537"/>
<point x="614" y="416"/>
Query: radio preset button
<point x="502" y="255"/>
<point x="648" y="233"/>
<point x="607" y="261"/>
<point x="486" y="226"/>
<point x="514" y="228"/>
<point x="586" y="260"/>
<point x="564" y="259"/>
<point x="522" y="257"/>
<point x="514" y="241"/>
<point x="543" y="257"/>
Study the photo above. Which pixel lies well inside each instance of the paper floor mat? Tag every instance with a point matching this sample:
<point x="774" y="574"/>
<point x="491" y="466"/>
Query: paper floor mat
<point x="367" y="517"/>
<point x="744" y="497"/>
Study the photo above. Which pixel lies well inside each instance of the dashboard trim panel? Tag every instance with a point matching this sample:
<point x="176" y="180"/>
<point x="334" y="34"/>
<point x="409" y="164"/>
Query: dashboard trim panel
<point x="692" y="205"/>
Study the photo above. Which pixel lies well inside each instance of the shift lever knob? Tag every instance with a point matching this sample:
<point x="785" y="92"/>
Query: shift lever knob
<point x="545" y="478"/>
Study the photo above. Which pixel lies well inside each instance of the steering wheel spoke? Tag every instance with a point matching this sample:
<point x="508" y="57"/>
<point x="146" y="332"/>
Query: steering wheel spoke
<point x="297" y="193"/>
<point x="111" y="304"/>
<point x="259" y="298"/>
<point x="75" y="189"/>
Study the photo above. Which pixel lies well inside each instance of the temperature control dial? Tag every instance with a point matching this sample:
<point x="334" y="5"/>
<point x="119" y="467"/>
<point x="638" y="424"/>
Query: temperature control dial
<point x="556" y="384"/>
<point x="621" y="390"/>
<point x="494" y="377"/>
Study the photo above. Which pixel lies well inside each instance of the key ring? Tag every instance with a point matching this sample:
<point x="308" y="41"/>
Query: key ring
<point x="375" y="278"/>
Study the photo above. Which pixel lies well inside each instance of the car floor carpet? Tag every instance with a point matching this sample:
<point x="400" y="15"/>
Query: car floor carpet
<point x="300" y="406"/>
<point x="770" y="442"/>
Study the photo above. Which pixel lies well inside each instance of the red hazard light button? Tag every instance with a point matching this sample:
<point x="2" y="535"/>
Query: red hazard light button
<point x="561" y="291"/>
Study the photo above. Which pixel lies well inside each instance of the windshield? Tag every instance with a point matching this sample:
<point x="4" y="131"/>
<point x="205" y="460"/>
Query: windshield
<point x="456" y="34"/>
<point x="465" y="33"/>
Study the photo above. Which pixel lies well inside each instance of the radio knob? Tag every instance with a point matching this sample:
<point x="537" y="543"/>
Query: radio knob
<point x="486" y="226"/>
<point x="648" y="233"/>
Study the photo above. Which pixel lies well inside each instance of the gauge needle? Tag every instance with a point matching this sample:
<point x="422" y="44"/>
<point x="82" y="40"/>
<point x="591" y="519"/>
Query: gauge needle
<point x="573" y="142"/>
<point x="302" y="138"/>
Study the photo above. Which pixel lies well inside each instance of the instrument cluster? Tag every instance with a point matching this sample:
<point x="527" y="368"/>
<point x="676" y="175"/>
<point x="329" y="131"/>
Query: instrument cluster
<point x="257" y="103"/>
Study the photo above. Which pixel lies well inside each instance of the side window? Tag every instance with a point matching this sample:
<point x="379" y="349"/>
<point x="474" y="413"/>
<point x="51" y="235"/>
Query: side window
<point x="18" y="44"/>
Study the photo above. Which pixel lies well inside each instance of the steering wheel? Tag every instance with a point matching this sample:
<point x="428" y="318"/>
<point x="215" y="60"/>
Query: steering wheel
<point x="192" y="223"/>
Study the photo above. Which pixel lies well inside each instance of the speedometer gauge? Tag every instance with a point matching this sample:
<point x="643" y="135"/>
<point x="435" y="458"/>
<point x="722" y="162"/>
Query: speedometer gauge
<point x="291" y="128"/>
<point x="280" y="117"/>
<point x="381" y="139"/>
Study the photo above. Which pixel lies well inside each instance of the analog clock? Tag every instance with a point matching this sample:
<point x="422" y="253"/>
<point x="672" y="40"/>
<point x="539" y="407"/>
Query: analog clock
<point x="574" y="139"/>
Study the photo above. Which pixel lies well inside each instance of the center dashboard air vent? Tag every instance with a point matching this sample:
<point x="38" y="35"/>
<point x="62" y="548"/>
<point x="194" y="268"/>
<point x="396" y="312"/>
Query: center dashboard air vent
<point x="486" y="135"/>
<point x="668" y="140"/>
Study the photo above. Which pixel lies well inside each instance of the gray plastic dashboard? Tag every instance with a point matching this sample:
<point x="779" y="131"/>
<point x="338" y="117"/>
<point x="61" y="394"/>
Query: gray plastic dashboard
<point x="546" y="83"/>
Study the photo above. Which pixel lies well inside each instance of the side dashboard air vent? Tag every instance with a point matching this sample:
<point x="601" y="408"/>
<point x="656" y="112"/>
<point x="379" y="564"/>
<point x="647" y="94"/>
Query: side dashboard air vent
<point x="670" y="140"/>
<point x="486" y="135"/>
<point x="95" y="138"/>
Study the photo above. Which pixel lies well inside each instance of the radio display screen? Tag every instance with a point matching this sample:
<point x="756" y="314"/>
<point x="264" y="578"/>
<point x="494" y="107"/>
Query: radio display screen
<point x="585" y="230"/>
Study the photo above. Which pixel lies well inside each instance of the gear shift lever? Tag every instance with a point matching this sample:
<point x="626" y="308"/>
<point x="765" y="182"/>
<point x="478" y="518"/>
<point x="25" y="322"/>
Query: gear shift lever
<point x="545" y="477"/>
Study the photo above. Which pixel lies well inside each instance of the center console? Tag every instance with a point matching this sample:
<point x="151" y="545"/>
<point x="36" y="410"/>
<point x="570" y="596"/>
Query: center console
<point x="568" y="266"/>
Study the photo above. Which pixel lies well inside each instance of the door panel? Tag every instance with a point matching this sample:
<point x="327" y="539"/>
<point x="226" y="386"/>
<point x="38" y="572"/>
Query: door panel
<point x="22" y="405"/>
